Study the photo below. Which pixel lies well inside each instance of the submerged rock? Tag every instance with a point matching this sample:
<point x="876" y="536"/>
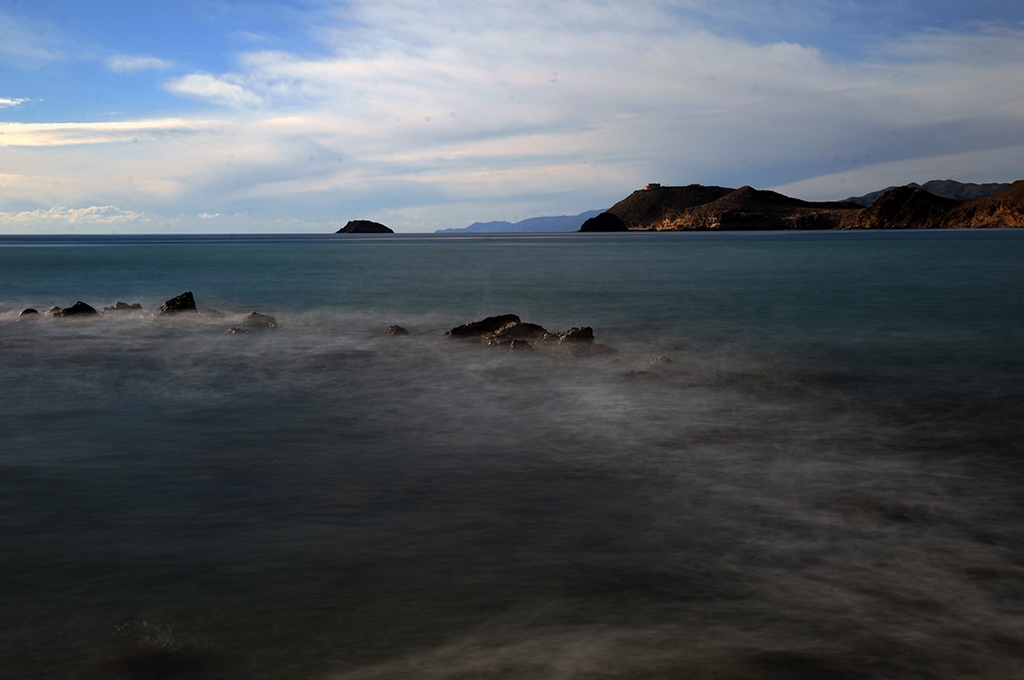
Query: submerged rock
<point x="77" y="309"/>
<point x="124" y="307"/>
<point x="184" y="303"/>
<point x="395" y="330"/>
<point x="257" y="320"/>
<point x="235" y="329"/>
<point x="477" y="329"/>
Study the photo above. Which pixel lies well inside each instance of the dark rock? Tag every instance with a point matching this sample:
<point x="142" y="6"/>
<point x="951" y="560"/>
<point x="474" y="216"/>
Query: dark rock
<point x="606" y="221"/>
<point x="77" y="309"/>
<point x="257" y="320"/>
<point x="183" y="303"/>
<point x="364" y="227"/>
<point x="580" y="334"/>
<point x="515" y="330"/>
<point x="477" y="329"/>
<point x="124" y="307"/>
<point x="53" y="310"/>
<point x="235" y="329"/>
<point x="661" y="360"/>
<point x="641" y="375"/>
<point x="395" y="330"/>
<point x="29" y="312"/>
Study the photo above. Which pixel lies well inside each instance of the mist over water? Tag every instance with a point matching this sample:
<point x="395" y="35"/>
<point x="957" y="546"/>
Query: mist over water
<point x="825" y="481"/>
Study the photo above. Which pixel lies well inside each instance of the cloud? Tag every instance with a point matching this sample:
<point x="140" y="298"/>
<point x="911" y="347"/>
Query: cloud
<point x="21" y="45"/>
<point x="8" y="102"/>
<point x="95" y="215"/>
<point x="213" y="89"/>
<point x="64" y="134"/>
<point x="428" y="118"/>
<point x="129" y="64"/>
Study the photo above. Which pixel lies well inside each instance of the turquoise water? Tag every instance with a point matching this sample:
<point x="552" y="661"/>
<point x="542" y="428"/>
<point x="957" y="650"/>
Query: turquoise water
<point x="824" y="481"/>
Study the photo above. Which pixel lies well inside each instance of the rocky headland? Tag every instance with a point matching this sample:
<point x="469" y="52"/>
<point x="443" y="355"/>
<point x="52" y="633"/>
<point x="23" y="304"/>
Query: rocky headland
<point x="702" y="208"/>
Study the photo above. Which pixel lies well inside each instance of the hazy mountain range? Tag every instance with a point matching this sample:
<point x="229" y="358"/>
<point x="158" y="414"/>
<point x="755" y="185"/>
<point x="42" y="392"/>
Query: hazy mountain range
<point x="946" y="188"/>
<point x="534" y="224"/>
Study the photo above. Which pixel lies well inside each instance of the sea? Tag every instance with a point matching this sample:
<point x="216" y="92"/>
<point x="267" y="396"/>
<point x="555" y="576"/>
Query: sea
<point x="802" y="457"/>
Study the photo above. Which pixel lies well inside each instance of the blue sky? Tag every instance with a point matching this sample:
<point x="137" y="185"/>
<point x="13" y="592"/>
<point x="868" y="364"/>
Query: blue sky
<point x="296" y="116"/>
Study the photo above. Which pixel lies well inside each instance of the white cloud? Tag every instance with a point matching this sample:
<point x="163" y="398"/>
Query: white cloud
<point x="64" y="134"/>
<point x="128" y="63"/>
<point x="436" y="118"/>
<point x="93" y="215"/>
<point x="9" y="102"/>
<point x="213" y="89"/>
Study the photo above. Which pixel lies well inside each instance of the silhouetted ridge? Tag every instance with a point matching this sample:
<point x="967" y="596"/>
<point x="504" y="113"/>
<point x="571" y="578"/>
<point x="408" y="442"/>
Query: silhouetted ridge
<point x="946" y="188"/>
<point x="906" y="208"/>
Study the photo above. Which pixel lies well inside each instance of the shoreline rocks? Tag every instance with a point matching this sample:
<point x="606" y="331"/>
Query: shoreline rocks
<point x="78" y="309"/>
<point x="260" y="321"/>
<point x="184" y="303"/>
<point x="124" y="307"/>
<point x="511" y="332"/>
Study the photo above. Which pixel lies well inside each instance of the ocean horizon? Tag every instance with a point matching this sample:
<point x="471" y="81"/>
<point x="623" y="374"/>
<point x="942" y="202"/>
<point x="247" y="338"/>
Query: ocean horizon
<point x="801" y="457"/>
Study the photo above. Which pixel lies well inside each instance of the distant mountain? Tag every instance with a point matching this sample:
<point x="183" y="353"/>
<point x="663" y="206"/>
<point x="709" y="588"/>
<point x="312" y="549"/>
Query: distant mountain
<point x="945" y="188"/>
<point x="914" y="208"/>
<point x="560" y="223"/>
<point x="697" y="207"/>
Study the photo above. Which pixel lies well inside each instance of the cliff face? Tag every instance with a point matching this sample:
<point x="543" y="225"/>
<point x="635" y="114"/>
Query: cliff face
<point x="696" y="207"/>
<point x="905" y="208"/>
<point x="908" y="208"/>
<point x="660" y="208"/>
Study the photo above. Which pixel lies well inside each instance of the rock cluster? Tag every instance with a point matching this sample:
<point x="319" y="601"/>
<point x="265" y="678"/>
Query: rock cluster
<point x="511" y="332"/>
<point x="184" y="304"/>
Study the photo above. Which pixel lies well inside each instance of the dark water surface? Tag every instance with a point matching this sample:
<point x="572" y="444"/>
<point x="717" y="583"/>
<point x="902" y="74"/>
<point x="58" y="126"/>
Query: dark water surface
<point x="827" y="481"/>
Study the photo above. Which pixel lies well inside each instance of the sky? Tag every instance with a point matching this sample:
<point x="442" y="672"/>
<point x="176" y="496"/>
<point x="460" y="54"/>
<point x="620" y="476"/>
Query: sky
<point x="222" y="116"/>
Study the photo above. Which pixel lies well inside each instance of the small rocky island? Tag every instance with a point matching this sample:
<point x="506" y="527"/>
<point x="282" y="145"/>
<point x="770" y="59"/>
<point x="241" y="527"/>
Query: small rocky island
<point x="364" y="227"/>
